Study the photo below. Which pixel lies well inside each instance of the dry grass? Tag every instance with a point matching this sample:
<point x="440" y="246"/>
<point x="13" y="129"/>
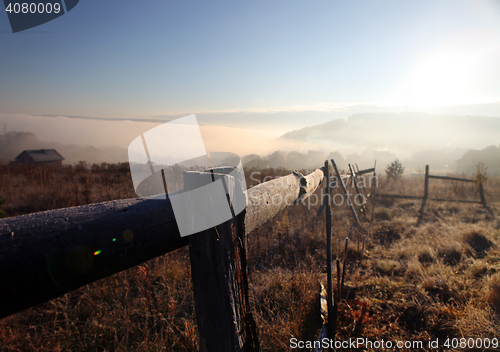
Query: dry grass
<point x="438" y="279"/>
<point x="28" y="188"/>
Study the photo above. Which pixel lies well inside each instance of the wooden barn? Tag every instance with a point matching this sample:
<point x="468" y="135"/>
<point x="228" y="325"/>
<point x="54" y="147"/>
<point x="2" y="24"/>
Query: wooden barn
<point x="40" y="156"/>
<point x="489" y="156"/>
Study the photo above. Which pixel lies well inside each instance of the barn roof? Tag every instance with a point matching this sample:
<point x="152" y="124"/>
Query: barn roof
<point x="488" y="153"/>
<point x="40" y="155"/>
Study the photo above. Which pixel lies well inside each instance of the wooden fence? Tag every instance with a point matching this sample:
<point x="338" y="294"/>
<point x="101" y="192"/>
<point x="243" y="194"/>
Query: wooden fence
<point x="47" y="254"/>
<point x="425" y="197"/>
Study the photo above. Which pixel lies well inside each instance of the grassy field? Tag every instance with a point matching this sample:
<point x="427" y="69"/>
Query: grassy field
<point x="439" y="278"/>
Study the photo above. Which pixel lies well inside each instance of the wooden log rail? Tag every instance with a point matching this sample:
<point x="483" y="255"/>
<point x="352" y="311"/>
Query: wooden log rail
<point x="450" y="178"/>
<point x="402" y="196"/>
<point x="366" y="171"/>
<point x="47" y="254"/>
<point x="269" y="198"/>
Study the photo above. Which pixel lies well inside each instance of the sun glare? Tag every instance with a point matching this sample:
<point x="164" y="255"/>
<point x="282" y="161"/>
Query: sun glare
<point x="441" y="79"/>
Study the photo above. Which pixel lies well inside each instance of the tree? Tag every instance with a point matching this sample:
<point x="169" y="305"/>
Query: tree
<point x="395" y="170"/>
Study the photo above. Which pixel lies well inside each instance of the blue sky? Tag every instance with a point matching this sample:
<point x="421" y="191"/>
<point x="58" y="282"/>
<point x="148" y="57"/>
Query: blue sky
<point x="253" y="62"/>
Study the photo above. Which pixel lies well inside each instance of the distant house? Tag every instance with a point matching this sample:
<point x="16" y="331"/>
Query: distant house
<point x="40" y="156"/>
<point x="489" y="156"/>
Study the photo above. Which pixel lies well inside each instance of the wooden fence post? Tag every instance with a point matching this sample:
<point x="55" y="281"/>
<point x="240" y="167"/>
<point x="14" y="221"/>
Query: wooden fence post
<point x="374" y="189"/>
<point x="481" y="194"/>
<point x="363" y="190"/>
<point x="355" y="180"/>
<point x="346" y="193"/>
<point x="426" y="191"/>
<point x="218" y="269"/>
<point x="327" y="200"/>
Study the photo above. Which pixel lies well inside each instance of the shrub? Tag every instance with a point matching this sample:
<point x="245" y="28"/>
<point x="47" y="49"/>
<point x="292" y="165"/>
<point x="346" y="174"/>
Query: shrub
<point x="395" y="170"/>
<point x="481" y="175"/>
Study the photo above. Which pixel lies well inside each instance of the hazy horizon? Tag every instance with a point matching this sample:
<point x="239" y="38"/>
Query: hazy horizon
<point x="360" y="134"/>
<point x="251" y="72"/>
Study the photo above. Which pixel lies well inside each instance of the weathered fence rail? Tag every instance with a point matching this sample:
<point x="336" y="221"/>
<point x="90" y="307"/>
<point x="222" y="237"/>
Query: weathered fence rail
<point x="44" y="255"/>
<point x="450" y="178"/>
<point x="402" y="196"/>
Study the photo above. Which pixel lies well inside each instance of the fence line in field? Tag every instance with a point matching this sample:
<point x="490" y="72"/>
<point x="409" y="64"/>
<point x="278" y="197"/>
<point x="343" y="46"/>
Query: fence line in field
<point x="47" y="254"/>
<point x="425" y="197"/>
